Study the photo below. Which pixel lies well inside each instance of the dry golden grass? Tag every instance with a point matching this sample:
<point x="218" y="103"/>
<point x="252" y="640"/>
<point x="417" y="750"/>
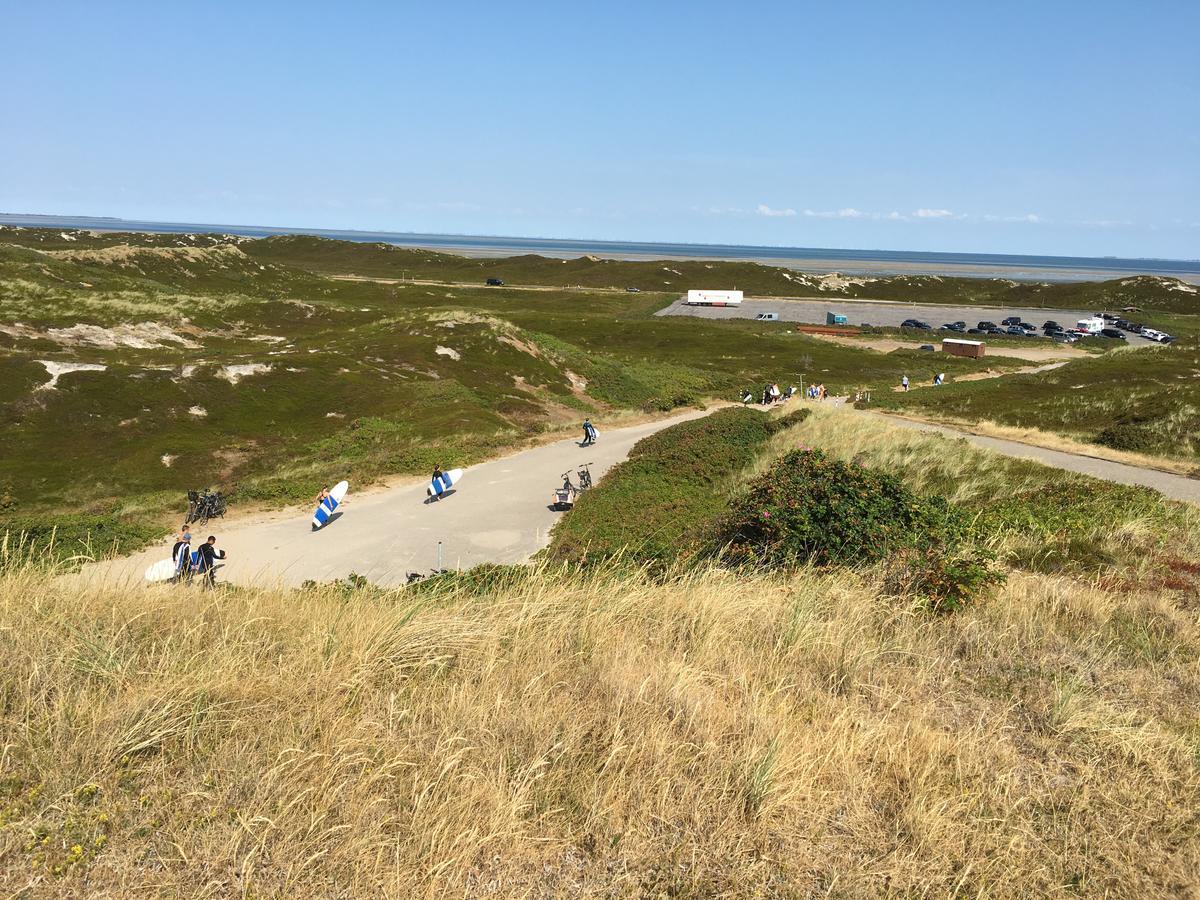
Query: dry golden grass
<point x="718" y="735"/>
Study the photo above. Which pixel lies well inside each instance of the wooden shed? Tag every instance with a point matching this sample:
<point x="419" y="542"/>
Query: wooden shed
<point x="959" y="347"/>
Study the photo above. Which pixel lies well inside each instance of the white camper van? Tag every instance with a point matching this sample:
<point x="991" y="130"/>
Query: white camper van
<point x="1092" y="325"/>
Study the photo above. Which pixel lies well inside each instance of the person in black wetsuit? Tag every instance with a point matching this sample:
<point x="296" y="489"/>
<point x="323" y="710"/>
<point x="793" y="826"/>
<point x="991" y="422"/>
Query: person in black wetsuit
<point x="209" y="554"/>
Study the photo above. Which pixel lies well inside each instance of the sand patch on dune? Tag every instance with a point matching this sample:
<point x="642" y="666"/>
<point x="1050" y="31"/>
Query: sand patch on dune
<point x="234" y="374"/>
<point x="138" y="336"/>
<point x="447" y="351"/>
<point x="57" y="369"/>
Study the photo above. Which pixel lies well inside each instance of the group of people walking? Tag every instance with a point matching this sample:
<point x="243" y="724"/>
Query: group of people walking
<point x="938" y="380"/>
<point x="201" y="561"/>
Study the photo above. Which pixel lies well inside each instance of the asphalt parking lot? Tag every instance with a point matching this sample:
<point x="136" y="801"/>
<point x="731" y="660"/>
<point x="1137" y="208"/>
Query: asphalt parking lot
<point x="873" y="312"/>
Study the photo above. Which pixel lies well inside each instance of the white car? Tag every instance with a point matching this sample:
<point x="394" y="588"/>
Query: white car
<point x="1153" y="335"/>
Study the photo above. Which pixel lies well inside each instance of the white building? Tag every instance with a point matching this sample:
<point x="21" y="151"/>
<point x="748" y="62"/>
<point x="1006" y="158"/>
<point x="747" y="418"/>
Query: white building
<point x="714" y="298"/>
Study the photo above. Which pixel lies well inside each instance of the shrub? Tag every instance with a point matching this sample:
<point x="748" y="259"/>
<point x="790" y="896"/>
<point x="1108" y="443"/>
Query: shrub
<point x="1129" y="436"/>
<point x="811" y="508"/>
<point x="941" y="580"/>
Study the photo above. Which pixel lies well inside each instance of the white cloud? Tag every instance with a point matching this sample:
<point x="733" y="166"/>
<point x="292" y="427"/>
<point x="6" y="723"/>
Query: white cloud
<point x="764" y="210"/>
<point x="924" y="213"/>
<point x="1028" y="217"/>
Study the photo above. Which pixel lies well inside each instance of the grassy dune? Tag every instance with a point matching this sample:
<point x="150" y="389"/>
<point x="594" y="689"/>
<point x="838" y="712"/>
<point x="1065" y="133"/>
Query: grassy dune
<point x="609" y="735"/>
<point x="1144" y="400"/>
<point x="208" y="367"/>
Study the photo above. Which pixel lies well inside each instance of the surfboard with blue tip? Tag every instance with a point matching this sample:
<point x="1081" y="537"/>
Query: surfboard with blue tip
<point x="326" y="507"/>
<point x="439" y="486"/>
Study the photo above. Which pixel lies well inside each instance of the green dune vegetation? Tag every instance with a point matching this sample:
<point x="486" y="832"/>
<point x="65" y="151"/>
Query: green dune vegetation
<point x="135" y="367"/>
<point x="1143" y="401"/>
<point x="944" y="672"/>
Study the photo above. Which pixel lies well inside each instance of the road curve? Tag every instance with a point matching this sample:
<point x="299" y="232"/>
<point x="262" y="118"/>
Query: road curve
<point x="1175" y="487"/>
<point x="500" y="514"/>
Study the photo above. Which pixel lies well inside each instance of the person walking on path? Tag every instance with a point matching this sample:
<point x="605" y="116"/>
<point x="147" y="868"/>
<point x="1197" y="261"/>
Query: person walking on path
<point x="181" y="553"/>
<point x="209" y="554"/>
<point x="904" y="382"/>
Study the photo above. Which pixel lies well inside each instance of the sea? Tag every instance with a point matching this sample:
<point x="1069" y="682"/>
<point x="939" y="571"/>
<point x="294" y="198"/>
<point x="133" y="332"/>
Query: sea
<point x="804" y="259"/>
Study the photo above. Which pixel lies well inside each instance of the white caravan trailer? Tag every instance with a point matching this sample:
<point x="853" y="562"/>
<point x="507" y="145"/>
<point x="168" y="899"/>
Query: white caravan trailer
<point x="714" y="298"/>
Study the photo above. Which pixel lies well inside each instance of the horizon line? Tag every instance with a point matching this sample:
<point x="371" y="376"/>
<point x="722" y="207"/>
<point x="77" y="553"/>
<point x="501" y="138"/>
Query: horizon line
<point x="315" y="231"/>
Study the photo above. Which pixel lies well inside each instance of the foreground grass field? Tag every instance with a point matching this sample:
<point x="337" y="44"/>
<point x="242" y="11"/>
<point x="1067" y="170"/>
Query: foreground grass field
<point x="672" y="730"/>
<point x="715" y="735"/>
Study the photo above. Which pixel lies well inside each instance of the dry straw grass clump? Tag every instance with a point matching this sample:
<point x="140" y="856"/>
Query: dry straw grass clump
<point x="600" y="735"/>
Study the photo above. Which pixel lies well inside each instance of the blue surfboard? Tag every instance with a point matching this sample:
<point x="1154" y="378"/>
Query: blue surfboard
<point x="439" y="486"/>
<point x="326" y="507"/>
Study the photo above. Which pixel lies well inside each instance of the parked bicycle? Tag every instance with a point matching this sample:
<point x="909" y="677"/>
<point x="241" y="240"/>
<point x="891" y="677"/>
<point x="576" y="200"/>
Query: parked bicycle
<point x="565" y="496"/>
<point x="205" y="506"/>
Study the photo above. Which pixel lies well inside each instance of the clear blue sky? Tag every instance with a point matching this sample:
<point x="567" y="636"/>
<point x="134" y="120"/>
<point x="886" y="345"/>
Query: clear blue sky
<point x="1060" y="127"/>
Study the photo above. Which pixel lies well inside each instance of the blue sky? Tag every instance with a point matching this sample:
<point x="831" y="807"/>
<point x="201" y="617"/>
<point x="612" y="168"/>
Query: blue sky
<point x="1058" y="128"/>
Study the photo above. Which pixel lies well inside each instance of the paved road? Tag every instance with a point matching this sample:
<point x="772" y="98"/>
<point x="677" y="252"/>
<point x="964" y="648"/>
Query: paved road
<point x="885" y="313"/>
<point x="501" y="514"/>
<point x="1177" y="487"/>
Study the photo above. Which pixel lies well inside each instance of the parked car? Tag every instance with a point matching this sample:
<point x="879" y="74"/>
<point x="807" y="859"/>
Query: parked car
<point x="1011" y="320"/>
<point x="1051" y="325"/>
<point x="1112" y="333"/>
<point x="915" y="323"/>
<point x="495" y="282"/>
<point x="976" y="331"/>
<point x="633" y="290"/>
<point x="1015" y="329"/>
<point x="984" y="326"/>
<point x="1064" y="337"/>
<point x="953" y="326"/>
<point x="767" y="317"/>
<point x="1108" y="317"/>
<point x="995" y="329"/>
<point x="1154" y="334"/>
<point x="927" y="347"/>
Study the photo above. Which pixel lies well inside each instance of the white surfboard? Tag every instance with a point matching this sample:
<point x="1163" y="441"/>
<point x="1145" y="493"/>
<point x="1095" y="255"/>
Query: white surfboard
<point x="326" y="507"/>
<point x="443" y="484"/>
<point x="163" y="570"/>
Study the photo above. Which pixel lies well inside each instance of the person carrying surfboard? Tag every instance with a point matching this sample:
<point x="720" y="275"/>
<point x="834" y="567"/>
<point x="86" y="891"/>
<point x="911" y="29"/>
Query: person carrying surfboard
<point x="181" y="553"/>
<point x="438" y="479"/>
<point x="589" y="433"/>
<point x="209" y="554"/>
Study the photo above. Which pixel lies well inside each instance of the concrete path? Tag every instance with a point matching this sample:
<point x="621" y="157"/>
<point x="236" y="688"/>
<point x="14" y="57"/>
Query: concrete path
<point x="500" y="514"/>
<point x="1176" y="487"/>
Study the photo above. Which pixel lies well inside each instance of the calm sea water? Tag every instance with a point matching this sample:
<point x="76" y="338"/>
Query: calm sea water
<point x="809" y="259"/>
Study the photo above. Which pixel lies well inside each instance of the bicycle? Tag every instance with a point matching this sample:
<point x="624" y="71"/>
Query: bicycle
<point x="565" y="496"/>
<point x="205" y="506"/>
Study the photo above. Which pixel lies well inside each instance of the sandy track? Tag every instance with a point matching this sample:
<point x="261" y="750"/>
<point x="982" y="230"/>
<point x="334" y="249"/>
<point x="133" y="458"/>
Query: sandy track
<point x="500" y="514"/>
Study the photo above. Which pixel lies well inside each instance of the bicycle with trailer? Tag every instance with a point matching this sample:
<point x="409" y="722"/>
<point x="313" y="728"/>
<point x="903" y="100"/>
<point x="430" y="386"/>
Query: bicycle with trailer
<point x="565" y="496"/>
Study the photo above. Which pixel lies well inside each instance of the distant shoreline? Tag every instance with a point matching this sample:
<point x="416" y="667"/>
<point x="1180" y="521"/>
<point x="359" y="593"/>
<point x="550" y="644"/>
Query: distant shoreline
<point x="812" y="260"/>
